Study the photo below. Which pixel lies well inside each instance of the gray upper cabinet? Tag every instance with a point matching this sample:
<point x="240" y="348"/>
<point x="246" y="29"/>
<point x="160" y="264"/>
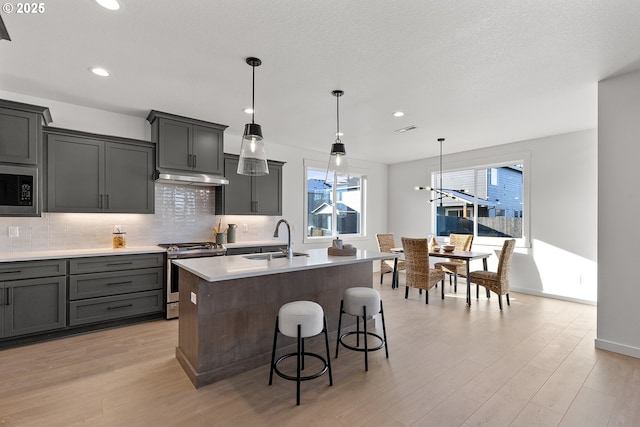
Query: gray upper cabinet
<point x="186" y="144"/>
<point x="20" y="132"/>
<point x="97" y="173"/>
<point x="250" y="195"/>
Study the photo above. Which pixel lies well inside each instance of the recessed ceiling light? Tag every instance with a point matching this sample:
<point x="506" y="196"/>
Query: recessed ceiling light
<point x="248" y="110"/>
<point x="398" y="114"/>
<point x="109" y="4"/>
<point x="98" y="71"/>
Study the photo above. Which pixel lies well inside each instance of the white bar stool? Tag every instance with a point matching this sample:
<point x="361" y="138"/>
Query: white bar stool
<point x="300" y="319"/>
<point x="362" y="302"/>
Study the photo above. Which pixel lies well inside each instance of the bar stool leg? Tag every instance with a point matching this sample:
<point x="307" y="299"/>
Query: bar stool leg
<point x="326" y="342"/>
<point x="366" y="348"/>
<point x="384" y="331"/>
<point x="358" y="331"/>
<point x="339" y="325"/>
<point x="298" y="367"/>
<point x="273" y="351"/>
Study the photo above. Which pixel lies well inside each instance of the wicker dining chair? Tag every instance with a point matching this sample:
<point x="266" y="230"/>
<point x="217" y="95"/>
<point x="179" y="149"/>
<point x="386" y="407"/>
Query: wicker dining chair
<point x="418" y="273"/>
<point x="385" y="243"/>
<point x="456" y="267"/>
<point x="497" y="282"/>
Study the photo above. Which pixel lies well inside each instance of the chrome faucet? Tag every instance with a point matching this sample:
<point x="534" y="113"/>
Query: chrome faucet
<point x="275" y="234"/>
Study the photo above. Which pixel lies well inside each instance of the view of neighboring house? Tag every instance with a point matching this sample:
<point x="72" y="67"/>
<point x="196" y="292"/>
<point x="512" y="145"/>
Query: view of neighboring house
<point x="491" y="198"/>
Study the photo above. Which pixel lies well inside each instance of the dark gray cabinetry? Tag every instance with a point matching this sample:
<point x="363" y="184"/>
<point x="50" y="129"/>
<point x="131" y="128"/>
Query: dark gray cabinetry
<point x="20" y="131"/>
<point x="114" y="287"/>
<point x="244" y="250"/>
<point x="32" y="297"/>
<point x="97" y="173"/>
<point x="250" y="195"/>
<point x="186" y="144"/>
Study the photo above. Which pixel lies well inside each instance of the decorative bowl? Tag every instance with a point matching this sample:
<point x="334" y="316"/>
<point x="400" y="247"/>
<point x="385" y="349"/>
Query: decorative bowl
<point x="448" y="248"/>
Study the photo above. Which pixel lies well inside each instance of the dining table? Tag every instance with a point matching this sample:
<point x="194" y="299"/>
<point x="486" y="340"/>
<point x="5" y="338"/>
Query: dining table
<point x="466" y="256"/>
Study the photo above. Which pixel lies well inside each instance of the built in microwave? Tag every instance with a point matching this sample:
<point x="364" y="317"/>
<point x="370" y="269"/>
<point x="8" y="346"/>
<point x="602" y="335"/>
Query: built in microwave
<point x="19" y="191"/>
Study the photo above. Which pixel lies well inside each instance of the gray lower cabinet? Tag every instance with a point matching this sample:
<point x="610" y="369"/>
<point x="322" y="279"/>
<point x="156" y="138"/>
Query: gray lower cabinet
<point x="113" y="287"/>
<point x="250" y="195"/>
<point x="32" y="297"/>
<point x="93" y="173"/>
<point x="245" y="250"/>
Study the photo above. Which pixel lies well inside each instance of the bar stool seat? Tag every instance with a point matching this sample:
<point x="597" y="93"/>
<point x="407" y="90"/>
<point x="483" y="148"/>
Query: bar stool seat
<point x="300" y="320"/>
<point x="362" y="302"/>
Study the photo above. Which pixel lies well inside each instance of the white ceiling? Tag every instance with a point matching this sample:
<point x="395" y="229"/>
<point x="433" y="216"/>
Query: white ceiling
<point x="477" y="73"/>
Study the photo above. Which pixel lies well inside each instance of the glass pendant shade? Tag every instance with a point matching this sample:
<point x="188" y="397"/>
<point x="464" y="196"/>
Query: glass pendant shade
<point x="338" y="169"/>
<point x="253" y="158"/>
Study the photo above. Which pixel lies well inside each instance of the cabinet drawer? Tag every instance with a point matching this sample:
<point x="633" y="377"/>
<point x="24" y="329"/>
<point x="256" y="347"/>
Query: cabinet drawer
<point x="104" y="284"/>
<point x="115" y="263"/>
<point x="115" y="307"/>
<point x="32" y="269"/>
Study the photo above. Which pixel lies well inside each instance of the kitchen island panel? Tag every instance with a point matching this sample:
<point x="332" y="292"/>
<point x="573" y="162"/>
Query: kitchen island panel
<point x="230" y="329"/>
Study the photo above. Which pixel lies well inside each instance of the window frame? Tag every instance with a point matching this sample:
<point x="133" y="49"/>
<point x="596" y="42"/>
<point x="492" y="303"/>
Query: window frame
<point x="322" y="166"/>
<point x="523" y="158"/>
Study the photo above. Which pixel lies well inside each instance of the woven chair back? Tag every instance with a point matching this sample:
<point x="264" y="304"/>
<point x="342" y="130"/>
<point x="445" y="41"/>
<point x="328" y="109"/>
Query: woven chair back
<point x="385" y="242"/>
<point x="416" y="258"/>
<point x="504" y="263"/>
<point x="462" y="242"/>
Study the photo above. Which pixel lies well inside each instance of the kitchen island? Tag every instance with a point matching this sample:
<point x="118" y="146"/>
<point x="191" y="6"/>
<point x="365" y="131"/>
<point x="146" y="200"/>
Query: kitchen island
<point x="229" y="305"/>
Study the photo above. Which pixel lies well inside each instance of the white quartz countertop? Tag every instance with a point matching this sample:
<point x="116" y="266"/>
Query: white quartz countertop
<point x="77" y="253"/>
<point x="254" y="243"/>
<point x="216" y="269"/>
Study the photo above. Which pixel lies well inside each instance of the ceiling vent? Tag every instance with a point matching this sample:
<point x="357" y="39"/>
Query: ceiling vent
<point x="406" y="129"/>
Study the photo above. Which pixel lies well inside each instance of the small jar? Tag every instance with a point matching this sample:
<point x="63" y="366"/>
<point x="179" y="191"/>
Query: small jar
<point x="119" y="238"/>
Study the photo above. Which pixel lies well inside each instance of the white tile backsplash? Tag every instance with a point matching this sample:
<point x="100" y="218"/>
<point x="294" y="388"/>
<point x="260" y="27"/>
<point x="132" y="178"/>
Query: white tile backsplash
<point x="182" y="214"/>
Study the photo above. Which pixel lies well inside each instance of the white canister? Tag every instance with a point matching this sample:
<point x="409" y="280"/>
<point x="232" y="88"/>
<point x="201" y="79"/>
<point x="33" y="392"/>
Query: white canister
<point x="337" y="243"/>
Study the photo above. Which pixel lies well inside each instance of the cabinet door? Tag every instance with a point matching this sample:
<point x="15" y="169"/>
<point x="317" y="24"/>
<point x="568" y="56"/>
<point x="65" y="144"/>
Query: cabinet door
<point x="75" y="174"/>
<point x="129" y="182"/>
<point x="18" y="137"/>
<point x="174" y="145"/>
<point x="267" y="192"/>
<point x="34" y="305"/>
<point x="237" y="194"/>
<point x="207" y="150"/>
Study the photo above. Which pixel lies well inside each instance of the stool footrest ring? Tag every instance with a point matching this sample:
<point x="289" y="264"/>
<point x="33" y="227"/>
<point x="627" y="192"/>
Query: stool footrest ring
<point x="350" y="347"/>
<point x="305" y="378"/>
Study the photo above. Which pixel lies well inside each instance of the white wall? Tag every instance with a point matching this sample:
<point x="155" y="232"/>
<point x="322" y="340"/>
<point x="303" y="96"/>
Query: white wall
<point x="560" y="260"/>
<point x="618" y="205"/>
<point x="182" y="213"/>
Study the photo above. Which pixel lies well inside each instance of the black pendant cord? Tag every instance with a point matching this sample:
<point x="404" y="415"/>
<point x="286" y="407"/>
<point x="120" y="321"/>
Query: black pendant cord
<point x="253" y="94"/>
<point x="441" y="193"/>
<point x="338" y="119"/>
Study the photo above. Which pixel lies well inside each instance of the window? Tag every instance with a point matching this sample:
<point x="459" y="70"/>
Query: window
<point x="484" y="201"/>
<point x="332" y="210"/>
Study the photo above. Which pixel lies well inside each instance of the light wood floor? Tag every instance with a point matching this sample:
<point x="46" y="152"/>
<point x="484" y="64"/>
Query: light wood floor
<point x="533" y="364"/>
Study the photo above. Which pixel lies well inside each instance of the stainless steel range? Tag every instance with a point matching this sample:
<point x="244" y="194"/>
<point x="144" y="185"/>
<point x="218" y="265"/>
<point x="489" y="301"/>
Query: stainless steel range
<point x="184" y="250"/>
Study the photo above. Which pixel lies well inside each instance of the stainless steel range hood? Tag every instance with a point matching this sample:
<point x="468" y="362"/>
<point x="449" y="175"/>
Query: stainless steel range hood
<point x="190" y="178"/>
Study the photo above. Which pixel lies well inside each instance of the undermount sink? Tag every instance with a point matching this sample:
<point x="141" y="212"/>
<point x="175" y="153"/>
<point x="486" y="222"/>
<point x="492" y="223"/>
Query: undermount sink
<point x="273" y="255"/>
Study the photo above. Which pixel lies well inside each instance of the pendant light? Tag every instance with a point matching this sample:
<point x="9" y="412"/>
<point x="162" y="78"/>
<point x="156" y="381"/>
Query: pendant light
<point x="337" y="171"/>
<point x="439" y="192"/>
<point x="253" y="158"/>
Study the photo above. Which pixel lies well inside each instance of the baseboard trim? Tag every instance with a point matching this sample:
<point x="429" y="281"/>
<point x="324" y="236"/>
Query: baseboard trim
<point x="618" y="348"/>
<point x="552" y="296"/>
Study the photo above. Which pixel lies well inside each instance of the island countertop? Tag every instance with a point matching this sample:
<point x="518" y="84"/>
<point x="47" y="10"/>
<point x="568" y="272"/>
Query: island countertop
<point x="216" y="269"/>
